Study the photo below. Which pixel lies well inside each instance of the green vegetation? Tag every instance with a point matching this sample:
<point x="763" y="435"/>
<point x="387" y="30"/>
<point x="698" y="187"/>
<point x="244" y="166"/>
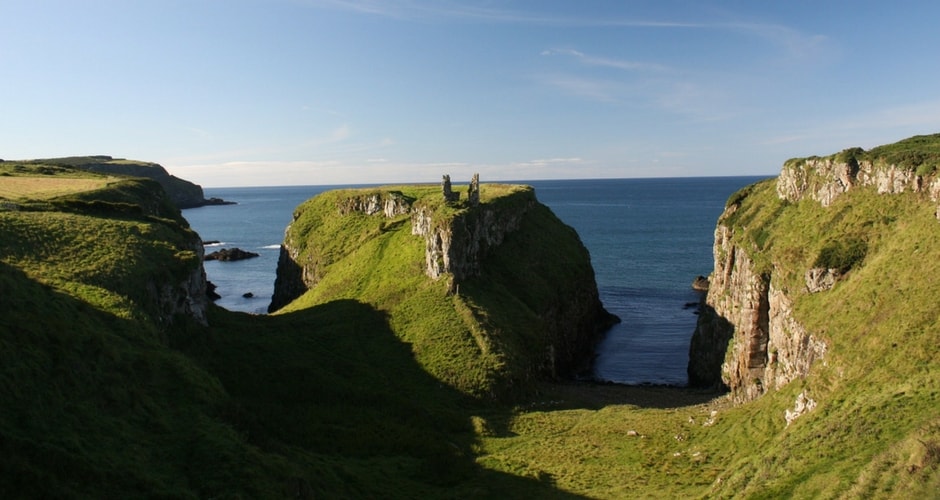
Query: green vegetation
<point x="486" y="336"/>
<point x="920" y="154"/>
<point x="879" y="417"/>
<point x="183" y="193"/>
<point x="842" y="255"/>
<point x="342" y="396"/>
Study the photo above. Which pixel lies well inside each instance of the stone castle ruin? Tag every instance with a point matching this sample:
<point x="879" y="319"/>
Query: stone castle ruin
<point x="473" y="192"/>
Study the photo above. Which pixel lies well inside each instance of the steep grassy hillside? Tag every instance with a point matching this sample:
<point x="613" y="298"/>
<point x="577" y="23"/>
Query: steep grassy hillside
<point x="182" y="193"/>
<point x="516" y="304"/>
<point x="877" y="425"/>
<point x="103" y="397"/>
<point x="871" y="226"/>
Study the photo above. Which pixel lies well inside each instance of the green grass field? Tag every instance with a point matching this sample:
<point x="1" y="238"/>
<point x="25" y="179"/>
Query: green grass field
<point x="345" y="394"/>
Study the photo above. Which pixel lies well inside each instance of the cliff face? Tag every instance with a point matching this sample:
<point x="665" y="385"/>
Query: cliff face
<point x="453" y="246"/>
<point x="825" y="179"/>
<point x="768" y="347"/>
<point x="183" y="193"/>
<point x="176" y="284"/>
<point x="491" y="294"/>
<point x="458" y="246"/>
<point x="748" y="337"/>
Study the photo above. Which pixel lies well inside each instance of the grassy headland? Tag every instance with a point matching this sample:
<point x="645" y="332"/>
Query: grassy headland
<point x="490" y="334"/>
<point x="339" y="396"/>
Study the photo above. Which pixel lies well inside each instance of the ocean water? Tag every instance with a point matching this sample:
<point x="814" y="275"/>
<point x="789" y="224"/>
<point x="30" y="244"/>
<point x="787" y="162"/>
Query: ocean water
<point x="648" y="239"/>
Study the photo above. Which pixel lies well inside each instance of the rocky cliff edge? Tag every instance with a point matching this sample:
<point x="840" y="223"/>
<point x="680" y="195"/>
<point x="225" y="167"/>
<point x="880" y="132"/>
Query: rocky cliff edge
<point x="786" y="238"/>
<point x="492" y="292"/>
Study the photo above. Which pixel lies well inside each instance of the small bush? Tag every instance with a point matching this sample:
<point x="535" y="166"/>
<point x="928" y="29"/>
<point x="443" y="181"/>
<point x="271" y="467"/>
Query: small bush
<point x="842" y="254"/>
<point x="926" y="169"/>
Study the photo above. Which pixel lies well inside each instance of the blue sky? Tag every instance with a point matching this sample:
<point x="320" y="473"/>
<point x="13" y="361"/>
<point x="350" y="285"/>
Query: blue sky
<point x="279" y="92"/>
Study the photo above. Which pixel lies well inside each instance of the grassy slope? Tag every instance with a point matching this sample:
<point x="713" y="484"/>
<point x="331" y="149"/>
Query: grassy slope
<point x="329" y="401"/>
<point x="877" y="423"/>
<point x="487" y="336"/>
<point x="99" y="401"/>
<point x="876" y="431"/>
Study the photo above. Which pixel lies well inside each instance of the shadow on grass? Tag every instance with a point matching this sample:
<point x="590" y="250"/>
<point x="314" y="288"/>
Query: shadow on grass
<point x="334" y="392"/>
<point x="594" y="396"/>
<point x="323" y="403"/>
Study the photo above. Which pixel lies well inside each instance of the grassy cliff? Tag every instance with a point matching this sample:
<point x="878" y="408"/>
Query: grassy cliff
<point x="491" y="297"/>
<point x="103" y="397"/>
<point x="183" y="193"/>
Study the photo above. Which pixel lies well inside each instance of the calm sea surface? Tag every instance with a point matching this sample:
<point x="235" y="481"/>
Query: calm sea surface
<point x="648" y="238"/>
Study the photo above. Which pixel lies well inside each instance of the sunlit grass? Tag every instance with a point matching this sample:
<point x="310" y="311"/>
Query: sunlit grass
<point x="365" y="387"/>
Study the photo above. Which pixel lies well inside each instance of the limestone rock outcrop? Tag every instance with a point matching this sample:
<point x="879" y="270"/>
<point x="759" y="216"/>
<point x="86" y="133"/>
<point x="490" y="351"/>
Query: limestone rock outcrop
<point x="529" y="312"/>
<point x="390" y="204"/>
<point x="768" y="347"/>
<point x="825" y="179"/>
<point x="820" y="279"/>
<point x="747" y="337"/>
<point x="458" y="246"/>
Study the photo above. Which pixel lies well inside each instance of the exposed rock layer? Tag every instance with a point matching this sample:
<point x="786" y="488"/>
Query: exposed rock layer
<point x="458" y="246"/>
<point x="559" y="319"/>
<point x="747" y="326"/>
<point x="825" y="179"/>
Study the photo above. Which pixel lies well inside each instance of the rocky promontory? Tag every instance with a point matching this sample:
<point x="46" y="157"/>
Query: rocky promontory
<point x="799" y="235"/>
<point x="183" y="193"/>
<point x="505" y="290"/>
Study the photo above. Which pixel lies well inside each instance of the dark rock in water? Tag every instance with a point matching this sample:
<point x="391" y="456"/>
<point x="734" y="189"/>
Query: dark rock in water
<point x="217" y="201"/>
<point x="248" y="295"/>
<point x="230" y="254"/>
<point x="211" y="242"/>
<point x="210" y="291"/>
<point x="700" y="283"/>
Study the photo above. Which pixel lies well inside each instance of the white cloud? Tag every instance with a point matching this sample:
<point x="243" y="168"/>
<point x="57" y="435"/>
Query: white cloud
<point x="548" y="161"/>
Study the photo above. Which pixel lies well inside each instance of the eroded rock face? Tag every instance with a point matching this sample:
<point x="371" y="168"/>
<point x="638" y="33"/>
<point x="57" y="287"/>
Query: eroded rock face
<point x="459" y="246"/>
<point x="187" y="297"/>
<point x="390" y="204"/>
<point x="825" y="179"/>
<point x="820" y="279"/>
<point x="749" y="323"/>
<point x="822" y="180"/>
<point x="803" y="404"/>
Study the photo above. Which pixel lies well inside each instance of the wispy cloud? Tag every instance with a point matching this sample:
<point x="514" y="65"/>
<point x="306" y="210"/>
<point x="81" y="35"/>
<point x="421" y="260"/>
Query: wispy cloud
<point x="544" y="162"/>
<point x="792" y="42"/>
<point x="605" y="62"/>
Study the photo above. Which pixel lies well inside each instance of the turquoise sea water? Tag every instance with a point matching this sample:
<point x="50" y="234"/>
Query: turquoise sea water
<point x="648" y="238"/>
